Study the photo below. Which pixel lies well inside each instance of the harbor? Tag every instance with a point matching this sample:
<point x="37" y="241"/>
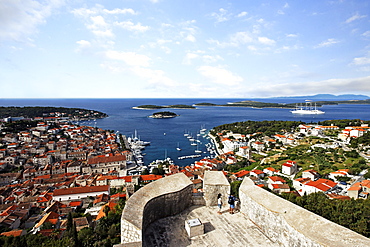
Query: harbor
<point x="199" y="146"/>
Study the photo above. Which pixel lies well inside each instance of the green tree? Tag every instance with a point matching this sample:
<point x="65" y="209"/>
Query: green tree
<point x="145" y="172"/>
<point x="234" y="187"/>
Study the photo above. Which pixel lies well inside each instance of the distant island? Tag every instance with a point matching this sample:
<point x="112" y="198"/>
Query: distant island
<point x="43" y="112"/>
<point x="257" y="104"/>
<point x="153" y="107"/>
<point x="319" y="100"/>
<point x="163" y="114"/>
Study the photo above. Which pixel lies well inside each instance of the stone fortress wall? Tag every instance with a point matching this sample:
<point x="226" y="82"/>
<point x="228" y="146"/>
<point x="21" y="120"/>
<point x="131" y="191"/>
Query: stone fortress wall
<point x="290" y="225"/>
<point x="165" y="197"/>
<point x="283" y="222"/>
<point x="215" y="183"/>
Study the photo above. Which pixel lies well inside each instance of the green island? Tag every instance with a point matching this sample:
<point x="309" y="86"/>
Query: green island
<point x="48" y="111"/>
<point x="153" y="107"/>
<point x="163" y="114"/>
<point x="254" y="104"/>
<point x="257" y="104"/>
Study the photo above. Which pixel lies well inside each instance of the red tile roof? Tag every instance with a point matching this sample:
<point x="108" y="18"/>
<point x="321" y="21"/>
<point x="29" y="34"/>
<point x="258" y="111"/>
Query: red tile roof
<point x="277" y="179"/>
<point x="150" y="177"/>
<point x="322" y="184"/>
<point x="14" y="233"/>
<point x="79" y="190"/>
<point x="108" y="159"/>
<point x="241" y="173"/>
<point x="75" y="204"/>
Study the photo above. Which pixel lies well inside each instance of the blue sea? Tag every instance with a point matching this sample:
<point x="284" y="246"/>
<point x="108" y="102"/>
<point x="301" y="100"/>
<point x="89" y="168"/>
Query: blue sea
<point x="166" y="135"/>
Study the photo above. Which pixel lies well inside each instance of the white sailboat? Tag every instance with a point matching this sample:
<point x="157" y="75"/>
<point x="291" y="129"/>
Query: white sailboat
<point x="307" y="109"/>
<point x="178" y="147"/>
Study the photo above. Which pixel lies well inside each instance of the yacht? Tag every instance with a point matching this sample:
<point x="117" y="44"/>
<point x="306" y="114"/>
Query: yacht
<point x="307" y="109"/>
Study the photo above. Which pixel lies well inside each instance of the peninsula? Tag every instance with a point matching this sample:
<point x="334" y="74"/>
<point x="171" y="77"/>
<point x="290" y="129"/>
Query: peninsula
<point x="39" y="112"/>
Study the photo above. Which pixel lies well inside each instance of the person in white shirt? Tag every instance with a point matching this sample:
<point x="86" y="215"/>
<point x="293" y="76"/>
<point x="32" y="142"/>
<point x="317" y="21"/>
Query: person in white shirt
<point x="219" y="203"/>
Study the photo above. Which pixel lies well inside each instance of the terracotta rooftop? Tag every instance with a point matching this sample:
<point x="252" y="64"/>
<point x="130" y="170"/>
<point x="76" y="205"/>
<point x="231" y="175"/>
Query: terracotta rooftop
<point x="79" y="190"/>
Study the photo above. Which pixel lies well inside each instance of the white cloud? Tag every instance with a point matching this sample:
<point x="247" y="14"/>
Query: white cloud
<point x="190" y="38"/>
<point x="83" y="43"/>
<point x="219" y="75"/>
<point x="333" y="86"/>
<point x="20" y="18"/>
<point x="221" y="16"/>
<point x="291" y="35"/>
<point x="120" y="11"/>
<point x="236" y="39"/>
<point x="252" y="48"/>
<point x="113" y="67"/>
<point x="361" y="60"/>
<point x="266" y="41"/>
<point x="130" y="58"/>
<point x="366" y="34"/>
<point x="242" y="14"/>
<point x="189" y="57"/>
<point x="241" y="38"/>
<point x="130" y="26"/>
<point x="166" y="25"/>
<point x="211" y="59"/>
<point x="156" y="77"/>
<point x="103" y="33"/>
<point x="163" y="41"/>
<point x="85" y="13"/>
<point x="188" y="30"/>
<point x="327" y="43"/>
<point x="97" y="22"/>
<point x="355" y="17"/>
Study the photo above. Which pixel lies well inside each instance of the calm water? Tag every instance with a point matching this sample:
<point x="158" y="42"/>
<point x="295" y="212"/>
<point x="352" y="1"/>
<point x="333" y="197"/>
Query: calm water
<point x="166" y="134"/>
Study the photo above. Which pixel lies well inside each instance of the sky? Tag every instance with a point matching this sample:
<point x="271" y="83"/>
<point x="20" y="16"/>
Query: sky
<point x="183" y="49"/>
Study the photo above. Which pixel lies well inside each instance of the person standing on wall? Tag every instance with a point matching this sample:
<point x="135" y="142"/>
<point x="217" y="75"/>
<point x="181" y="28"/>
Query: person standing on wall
<point x="231" y="202"/>
<point x="219" y="203"/>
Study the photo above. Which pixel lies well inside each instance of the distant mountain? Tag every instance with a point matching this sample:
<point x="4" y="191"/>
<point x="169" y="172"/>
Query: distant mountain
<point x="328" y="97"/>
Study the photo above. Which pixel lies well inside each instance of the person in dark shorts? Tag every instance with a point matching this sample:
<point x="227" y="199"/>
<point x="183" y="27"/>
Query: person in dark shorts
<point x="231" y="202"/>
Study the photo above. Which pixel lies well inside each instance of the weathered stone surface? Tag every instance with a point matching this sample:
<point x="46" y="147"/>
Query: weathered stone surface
<point x="219" y="230"/>
<point x="215" y="183"/>
<point x="165" y="197"/>
<point x="290" y="225"/>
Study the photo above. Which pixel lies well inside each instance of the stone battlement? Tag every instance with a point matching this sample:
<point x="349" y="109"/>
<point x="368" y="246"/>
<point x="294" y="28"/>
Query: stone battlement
<point x="290" y="225"/>
<point x="165" y="197"/>
<point x="283" y="222"/>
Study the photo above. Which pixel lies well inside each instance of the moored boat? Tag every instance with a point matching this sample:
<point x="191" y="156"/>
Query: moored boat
<point x="307" y="109"/>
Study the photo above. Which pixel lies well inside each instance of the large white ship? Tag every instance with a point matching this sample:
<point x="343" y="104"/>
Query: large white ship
<point x="307" y="109"/>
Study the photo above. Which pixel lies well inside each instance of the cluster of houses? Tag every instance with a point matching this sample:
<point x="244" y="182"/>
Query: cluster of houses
<point x="345" y="134"/>
<point x="43" y="150"/>
<point x="58" y="163"/>
<point x="65" y="167"/>
<point x="243" y="144"/>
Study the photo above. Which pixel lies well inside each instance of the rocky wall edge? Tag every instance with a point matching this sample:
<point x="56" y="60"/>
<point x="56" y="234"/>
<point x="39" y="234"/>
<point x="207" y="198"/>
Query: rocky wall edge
<point x="290" y="225"/>
<point x="164" y="197"/>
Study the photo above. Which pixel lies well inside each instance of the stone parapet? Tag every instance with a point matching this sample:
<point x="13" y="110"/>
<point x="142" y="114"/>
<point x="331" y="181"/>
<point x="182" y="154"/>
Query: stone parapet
<point x="215" y="183"/>
<point x="165" y="197"/>
<point x="290" y="225"/>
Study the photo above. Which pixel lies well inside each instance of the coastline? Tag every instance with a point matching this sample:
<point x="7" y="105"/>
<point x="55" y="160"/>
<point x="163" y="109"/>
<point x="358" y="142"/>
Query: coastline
<point x="215" y="143"/>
